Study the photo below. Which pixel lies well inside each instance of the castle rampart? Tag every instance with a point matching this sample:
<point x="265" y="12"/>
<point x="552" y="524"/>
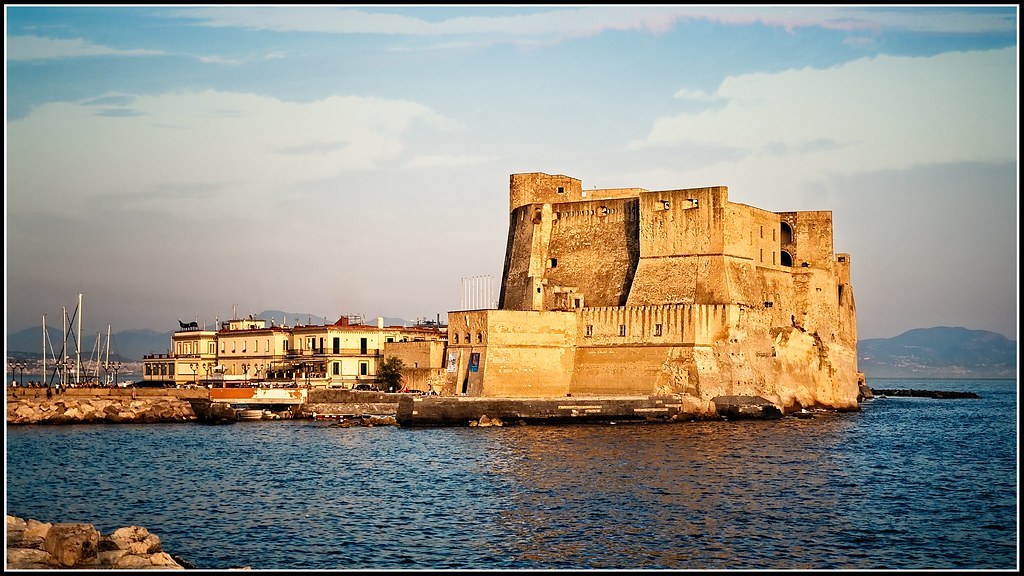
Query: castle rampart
<point x="630" y="291"/>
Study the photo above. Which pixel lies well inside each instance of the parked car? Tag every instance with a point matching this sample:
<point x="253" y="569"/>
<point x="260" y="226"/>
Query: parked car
<point x="366" y="387"/>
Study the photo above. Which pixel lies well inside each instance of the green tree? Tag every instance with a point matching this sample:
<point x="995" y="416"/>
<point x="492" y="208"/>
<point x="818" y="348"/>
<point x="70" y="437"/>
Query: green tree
<point x="389" y="373"/>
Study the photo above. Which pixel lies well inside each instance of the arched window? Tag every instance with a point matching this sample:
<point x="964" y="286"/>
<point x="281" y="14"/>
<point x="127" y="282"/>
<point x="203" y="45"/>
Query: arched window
<point x="786" y="259"/>
<point x="787" y="234"/>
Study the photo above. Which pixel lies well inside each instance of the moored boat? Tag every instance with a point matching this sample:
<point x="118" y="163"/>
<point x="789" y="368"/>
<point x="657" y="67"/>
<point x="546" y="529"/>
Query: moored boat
<point x="250" y="414"/>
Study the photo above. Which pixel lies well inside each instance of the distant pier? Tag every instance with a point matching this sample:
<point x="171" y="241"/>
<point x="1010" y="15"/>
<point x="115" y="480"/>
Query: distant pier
<point x="940" y="394"/>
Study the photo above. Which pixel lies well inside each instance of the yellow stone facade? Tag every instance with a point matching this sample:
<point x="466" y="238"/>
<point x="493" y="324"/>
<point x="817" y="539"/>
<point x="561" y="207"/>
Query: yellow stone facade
<point x="637" y="292"/>
<point x="248" y="352"/>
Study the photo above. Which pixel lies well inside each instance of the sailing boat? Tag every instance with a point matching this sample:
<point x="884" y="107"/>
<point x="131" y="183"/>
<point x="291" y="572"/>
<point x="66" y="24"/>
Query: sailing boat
<point x="67" y="370"/>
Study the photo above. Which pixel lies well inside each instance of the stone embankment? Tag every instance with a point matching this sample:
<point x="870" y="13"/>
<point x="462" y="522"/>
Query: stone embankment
<point x="35" y="545"/>
<point x="63" y="409"/>
<point x="336" y="403"/>
<point x="365" y="421"/>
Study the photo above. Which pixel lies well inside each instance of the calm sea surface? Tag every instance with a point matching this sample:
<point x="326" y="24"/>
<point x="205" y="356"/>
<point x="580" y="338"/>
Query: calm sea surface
<point x="906" y="483"/>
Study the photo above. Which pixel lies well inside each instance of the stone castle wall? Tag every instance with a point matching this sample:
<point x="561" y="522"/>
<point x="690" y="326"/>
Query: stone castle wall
<point x="629" y="291"/>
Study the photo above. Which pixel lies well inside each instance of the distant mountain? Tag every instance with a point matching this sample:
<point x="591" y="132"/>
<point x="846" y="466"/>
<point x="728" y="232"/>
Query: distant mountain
<point x="124" y="346"/>
<point x="940" y="352"/>
<point x="132" y="345"/>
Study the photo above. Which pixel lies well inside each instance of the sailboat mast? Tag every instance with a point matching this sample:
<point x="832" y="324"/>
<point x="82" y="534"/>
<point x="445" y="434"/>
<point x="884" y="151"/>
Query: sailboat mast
<point x="78" y="344"/>
<point x="98" y="356"/>
<point x="64" y="350"/>
<point x="44" y="351"/>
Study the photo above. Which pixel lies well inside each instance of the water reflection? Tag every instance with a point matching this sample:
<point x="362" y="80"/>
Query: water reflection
<point x="664" y="496"/>
<point x="905" y="483"/>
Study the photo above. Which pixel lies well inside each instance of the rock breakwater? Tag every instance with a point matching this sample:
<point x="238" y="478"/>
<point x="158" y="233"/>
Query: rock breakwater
<point x="35" y="545"/>
<point x="91" y="410"/>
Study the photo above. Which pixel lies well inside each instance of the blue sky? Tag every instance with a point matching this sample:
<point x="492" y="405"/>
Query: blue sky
<point x="174" y="162"/>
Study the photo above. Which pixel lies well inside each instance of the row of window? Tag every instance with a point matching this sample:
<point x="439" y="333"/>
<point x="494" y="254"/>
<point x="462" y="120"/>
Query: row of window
<point x="310" y="345"/>
<point x="469" y="338"/>
<point x="192" y="348"/>
<point x="167" y="369"/>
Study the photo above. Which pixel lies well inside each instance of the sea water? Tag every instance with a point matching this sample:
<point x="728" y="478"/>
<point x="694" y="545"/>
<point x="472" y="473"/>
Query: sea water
<point x="905" y="483"/>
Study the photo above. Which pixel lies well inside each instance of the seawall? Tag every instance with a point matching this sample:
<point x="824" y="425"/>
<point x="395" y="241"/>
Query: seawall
<point x="464" y="411"/>
<point x="188" y="405"/>
<point x="69" y="409"/>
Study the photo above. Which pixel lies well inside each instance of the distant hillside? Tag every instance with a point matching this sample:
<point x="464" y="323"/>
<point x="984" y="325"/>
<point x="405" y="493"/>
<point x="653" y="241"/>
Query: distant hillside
<point x="940" y="352"/>
<point x="124" y="346"/>
<point x="134" y="344"/>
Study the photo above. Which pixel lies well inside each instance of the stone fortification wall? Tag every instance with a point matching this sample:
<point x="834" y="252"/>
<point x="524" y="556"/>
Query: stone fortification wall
<point x="423" y="363"/>
<point x="523" y="353"/>
<point x="593" y="250"/>
<point x="598" y="241"/>
<point x="682" y="222"/>
<point x="704" y="351"/>
<point x="68" y="409"/>
<point x="517" y="285"/>
<point x="541" y="188"/>
<point x="720" y="299"/>
<point x="811" y="237"/>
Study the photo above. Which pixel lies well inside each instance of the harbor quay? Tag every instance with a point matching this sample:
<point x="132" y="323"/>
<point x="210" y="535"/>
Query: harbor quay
<point x="224" y="405"/>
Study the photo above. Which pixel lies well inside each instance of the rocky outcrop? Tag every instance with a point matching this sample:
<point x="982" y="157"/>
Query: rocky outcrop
<point x="35" y="545"/>
<point x="746" y="408"/>
<point x="208" y="412"/>
<point x="484" y="421"/>
<point x="89" y="410"/>
<point x="365" y="421"/>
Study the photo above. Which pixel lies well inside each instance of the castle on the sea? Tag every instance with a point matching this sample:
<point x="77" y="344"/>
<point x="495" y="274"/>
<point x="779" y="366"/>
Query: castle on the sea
<point x="605" y="292"/>
<point x="635" y="292"/>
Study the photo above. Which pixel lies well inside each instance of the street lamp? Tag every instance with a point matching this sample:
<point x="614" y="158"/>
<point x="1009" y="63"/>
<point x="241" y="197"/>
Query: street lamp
<point x="21" y="366"/>
<point x="245" y="370"/>
<point x="116" y="366"/>
<point x="67" y="364"/>
<point x="195" y="371"/>
<point x="208" y="367"/>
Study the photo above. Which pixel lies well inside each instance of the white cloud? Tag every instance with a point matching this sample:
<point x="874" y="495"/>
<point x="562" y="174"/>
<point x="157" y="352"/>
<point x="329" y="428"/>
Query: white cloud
<point x="866" y="115"/>
<point x="447" y="161"/>
<point x="593" y="19"/>
<point x="28" y="48"/>
<point x="228" y="147"/>
<point x="219" y="60"/>
<point x="695" y="95"/>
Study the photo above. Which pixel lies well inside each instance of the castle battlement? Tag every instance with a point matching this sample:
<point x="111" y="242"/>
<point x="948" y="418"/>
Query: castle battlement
<point x="633" y="291"/>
